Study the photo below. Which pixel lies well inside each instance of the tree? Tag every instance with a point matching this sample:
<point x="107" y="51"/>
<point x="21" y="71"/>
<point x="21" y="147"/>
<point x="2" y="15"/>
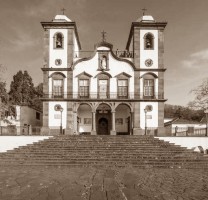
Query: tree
<point x="201" y="96"/>
<point x="3" y="93"/>
<point x="22" y="90"/>
<point x="173" y="111"/>
<point x="38" y="94"/>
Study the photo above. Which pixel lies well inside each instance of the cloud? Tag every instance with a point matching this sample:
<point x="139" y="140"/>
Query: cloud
<point x="196" y="60"/>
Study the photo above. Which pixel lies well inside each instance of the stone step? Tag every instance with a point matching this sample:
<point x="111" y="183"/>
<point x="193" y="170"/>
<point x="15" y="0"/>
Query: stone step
<point x="107" y="163"/>
<point x="117" y="165"/>
<point x="138" y="151"/>
<point x="105" y="151"/>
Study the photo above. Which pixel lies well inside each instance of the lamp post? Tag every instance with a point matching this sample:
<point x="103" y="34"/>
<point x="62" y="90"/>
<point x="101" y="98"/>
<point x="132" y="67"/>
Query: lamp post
<point x="145" y="112"/>
<point x="206" y="113"/>
<point x="61" y="127"/>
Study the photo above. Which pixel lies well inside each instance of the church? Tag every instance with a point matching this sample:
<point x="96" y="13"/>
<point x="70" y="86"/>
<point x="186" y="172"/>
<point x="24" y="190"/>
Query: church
<point x="107" y="92"/>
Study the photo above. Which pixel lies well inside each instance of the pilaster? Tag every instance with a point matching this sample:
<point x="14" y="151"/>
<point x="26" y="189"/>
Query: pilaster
<point x="136" y="47"/>
<point x="70" y="47"/>
<point x="46" y="48"/>
<point x="69" y="120"/>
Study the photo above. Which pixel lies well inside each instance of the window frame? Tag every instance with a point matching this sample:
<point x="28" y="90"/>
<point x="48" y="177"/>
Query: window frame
<point x="62" y="88"/>
<point x="149" y="88"/>
<point x="120" y="96"/>
<point x="79" y="86"/>
<point x="103" y="76"/>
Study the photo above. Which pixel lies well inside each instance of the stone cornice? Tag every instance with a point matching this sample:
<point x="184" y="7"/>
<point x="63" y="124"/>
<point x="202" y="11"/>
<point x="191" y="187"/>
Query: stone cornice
<point x="56" y="69"/>
<point x="105" y="100"/>
<point x="151" y="70"/>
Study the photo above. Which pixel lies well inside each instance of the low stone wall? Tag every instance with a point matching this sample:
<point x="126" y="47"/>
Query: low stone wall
<point x="189" y="142"/>
<point x="11" y="142"/>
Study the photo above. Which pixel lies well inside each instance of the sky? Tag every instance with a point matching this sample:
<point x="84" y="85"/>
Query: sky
<point x="186" y="43"/>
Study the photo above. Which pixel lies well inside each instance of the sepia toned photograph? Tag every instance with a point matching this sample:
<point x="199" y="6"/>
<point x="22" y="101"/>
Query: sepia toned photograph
<point x="119" y="121"/>
<point x="87" y="121"/>
<point x="103" y="100"/>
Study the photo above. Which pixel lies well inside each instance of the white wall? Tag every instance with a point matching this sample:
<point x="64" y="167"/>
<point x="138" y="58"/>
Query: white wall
<point x="54" y="117"/>
<point x="58" y="53"/>
<point x="11" y="142"/>
<point x="149" y="54"/>
<point x="189" y="142"/>
<point x="154" y="114"/>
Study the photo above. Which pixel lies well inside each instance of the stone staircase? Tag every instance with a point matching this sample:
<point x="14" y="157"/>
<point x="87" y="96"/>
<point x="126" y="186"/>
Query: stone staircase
<point x="104" y="151"/>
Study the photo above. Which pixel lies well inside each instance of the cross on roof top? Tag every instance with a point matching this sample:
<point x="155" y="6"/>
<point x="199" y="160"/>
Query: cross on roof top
<point x="144" y="10"/>
<point x="63" y="9"/>
<point x="104" y="36"/>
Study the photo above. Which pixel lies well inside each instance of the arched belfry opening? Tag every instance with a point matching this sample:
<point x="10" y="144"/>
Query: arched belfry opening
<point x="103" y="119"/>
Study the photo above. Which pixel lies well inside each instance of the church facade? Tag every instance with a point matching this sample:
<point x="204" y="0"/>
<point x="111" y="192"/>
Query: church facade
<point x="108" y="92"/>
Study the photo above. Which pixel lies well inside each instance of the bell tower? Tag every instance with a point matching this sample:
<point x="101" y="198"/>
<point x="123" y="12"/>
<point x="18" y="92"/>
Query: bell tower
<point x="146" y="40"/>
<point x="61" y="44"/>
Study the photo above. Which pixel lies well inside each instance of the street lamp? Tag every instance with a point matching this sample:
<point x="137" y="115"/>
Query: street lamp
<point x="61" y="127"/>
<point x="145" y="112"/>
<point x="206" y="113"/>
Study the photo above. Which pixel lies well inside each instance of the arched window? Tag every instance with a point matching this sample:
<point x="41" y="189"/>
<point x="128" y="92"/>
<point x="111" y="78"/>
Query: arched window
<point x="58" y="41"/>
<point x="148" y="41"/>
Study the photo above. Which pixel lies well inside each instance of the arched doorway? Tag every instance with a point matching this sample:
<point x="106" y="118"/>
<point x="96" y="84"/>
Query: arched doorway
<point x="103" y="119"/>
<point x="84" y="119"/>
<point x="123" y="120"/>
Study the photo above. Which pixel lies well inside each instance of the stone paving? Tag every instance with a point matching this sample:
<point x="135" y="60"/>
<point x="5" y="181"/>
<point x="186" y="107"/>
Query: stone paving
<point x="64" y="183"/>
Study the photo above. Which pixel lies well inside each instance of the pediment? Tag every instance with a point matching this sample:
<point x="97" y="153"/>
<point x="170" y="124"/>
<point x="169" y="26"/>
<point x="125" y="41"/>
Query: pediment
<point x="84" y="75"/>
<point x="123" y="75"/>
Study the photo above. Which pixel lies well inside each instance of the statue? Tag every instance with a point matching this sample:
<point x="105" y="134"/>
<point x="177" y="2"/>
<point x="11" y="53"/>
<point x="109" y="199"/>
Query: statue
<point x="104" y="63"/>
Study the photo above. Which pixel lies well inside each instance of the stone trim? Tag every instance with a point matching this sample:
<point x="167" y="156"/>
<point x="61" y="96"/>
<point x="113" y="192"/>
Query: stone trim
<point x="62" y="25"/>
<point x="56" y="69"/>
<point x="146" y="26"/>
<point x="46" y="48"/>
<point x="152" y="70"/>
<point x="103" y="100"/>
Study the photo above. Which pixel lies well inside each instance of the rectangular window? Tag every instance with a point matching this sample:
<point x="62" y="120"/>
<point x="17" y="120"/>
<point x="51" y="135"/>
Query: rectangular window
<point x="122" y="88"/>
<point x="58" y="88"/>
<point x="84" y="88"/>
<point x="149" y="87"/>
<point x="103" y="89"/>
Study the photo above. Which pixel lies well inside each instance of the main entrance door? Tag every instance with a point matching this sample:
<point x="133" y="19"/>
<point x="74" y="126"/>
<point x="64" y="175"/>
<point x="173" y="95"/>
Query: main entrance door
<point x="103" y="119"/>
<point x="103" y="126"/>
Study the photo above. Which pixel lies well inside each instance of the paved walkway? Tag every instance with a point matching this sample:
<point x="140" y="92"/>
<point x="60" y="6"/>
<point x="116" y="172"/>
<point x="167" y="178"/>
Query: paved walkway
<point x="41" y="183"/>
